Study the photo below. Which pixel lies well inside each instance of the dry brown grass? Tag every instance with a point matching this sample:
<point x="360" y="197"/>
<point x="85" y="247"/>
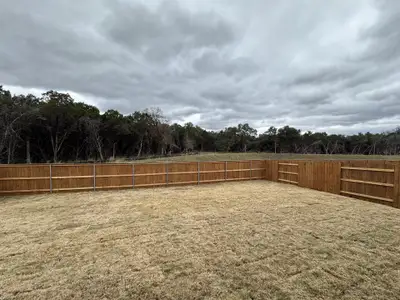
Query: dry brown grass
<point x="247" y="240"/>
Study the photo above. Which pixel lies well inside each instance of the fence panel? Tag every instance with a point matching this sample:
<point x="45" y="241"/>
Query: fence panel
<point x="288" y="172"/>
<point x="182" y="173"/>
<point x="151" y="175"/>
<point x="71" y="177"/>
<point x="238" y="170"/>
<point x="332" y="177"/>
<point x="213" y="171"/>
<point x="271" y="170"/>
<point x="258" y="169"/>
<point x="369" y="180"/>
<point x="306" y="174"/>
<point x="113" y="176"/>
<point x="16" y="179"/>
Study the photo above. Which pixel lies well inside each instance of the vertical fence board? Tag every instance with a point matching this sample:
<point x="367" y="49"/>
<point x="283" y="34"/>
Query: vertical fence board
<point x="318" y="175"/>
<point x="332" y="174"/>
<point x="274" y="170"/>
<point x="268" y="168"/>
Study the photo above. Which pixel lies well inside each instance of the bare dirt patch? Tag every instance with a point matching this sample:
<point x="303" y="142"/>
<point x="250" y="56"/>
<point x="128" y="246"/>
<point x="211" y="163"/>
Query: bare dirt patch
<point x="245" y="240"/>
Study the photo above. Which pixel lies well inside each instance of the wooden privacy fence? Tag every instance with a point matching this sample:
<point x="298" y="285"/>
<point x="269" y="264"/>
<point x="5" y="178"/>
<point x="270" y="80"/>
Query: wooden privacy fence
<point x="377" y="180"/>
<point x="18" y="179"/>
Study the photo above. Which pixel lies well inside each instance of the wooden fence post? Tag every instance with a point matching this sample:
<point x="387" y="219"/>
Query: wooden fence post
<point x="94" y="176"/>
<point x="278" y="164"/>
<point x="166" y="173"/>
<point x="198" y="172"/>
<point x="251" y="171"/>
<point x="133" y="176"/>
<point x="226" y="170"/>
<point x="51" y="182"/>
<point x="340" y="178"/>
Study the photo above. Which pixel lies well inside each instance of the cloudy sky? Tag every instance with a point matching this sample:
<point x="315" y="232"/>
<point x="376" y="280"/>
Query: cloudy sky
<point x="319" y="65"/>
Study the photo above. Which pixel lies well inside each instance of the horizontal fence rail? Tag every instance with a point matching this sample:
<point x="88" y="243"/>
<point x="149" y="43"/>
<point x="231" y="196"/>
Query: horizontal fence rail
<point x="377" y="181"/>
<point x="288" y="172"/>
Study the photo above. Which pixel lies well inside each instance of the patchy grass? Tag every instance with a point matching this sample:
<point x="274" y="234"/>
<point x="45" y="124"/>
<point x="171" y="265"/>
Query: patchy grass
<point x="217" y="156"/>
<point x="247" y="240"/>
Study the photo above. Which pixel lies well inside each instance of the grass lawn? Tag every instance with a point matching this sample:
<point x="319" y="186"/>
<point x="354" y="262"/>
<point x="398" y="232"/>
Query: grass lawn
<point x="218" y="156"/>
<point x="243" y="240"/>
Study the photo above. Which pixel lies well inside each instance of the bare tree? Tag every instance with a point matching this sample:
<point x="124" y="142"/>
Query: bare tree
<point x="10" y="127"/>
<point x="92" y="128"/>
<point x="188" y="143"/>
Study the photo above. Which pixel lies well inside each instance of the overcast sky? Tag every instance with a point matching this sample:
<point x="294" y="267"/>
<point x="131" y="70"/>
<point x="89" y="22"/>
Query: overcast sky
<point x="318" y="65"/>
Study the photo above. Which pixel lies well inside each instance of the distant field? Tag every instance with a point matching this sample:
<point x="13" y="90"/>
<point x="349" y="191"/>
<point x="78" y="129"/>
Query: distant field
<point x="242" y="240"/>
<point x="217" y="156"/>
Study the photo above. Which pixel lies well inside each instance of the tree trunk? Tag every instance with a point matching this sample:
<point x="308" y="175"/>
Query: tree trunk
<point x="113" y="155"/>
<point x="140" y="148"/>
<point x="28" y="152"/>
<point x="77" y="152"/>
<point x="3" y="140"/>
<point x="9" y="151"/>
<point x="100" y="153"/>
<point x="43" y="153"/>
<point x="54" y="144"/>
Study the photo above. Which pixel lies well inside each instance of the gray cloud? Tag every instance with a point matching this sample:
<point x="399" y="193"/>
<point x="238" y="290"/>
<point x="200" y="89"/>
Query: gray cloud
<point x="332" y="68"/>
<point x="165" y="32"/>
<point x="214" y="63"/>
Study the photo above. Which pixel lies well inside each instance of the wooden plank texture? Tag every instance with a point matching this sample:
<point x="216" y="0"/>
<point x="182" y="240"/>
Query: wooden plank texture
<point x="214" y="176"/>
<point x="376" y="179"/>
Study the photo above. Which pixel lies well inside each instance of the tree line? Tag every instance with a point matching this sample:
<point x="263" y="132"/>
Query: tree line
<point x="55" y="128"/>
